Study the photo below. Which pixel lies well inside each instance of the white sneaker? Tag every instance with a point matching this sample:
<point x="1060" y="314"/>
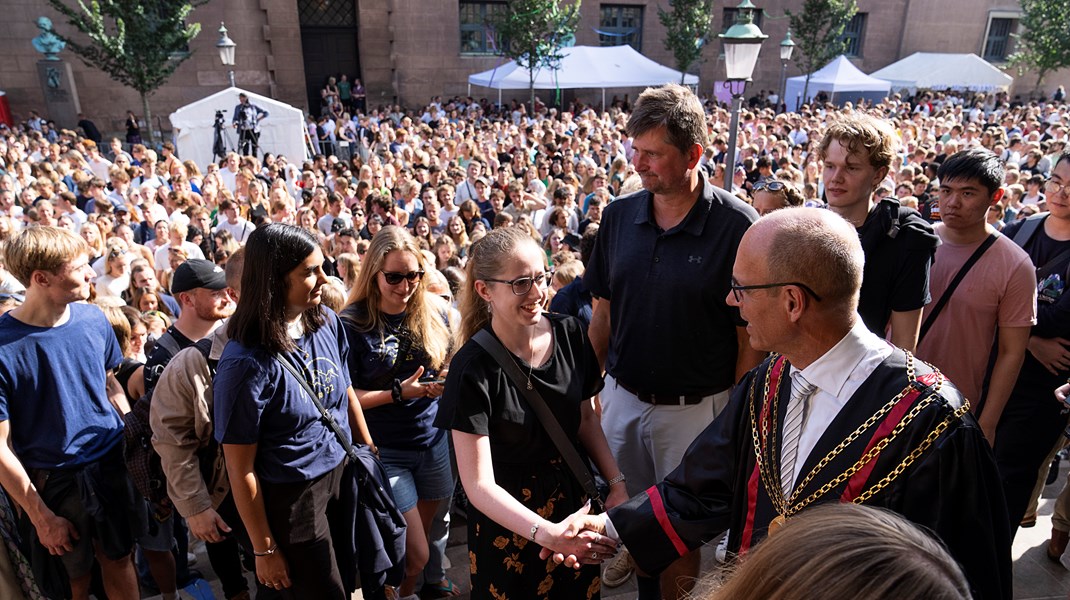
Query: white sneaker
<point x="619" y="570"/>
<point x="722" y="548"/>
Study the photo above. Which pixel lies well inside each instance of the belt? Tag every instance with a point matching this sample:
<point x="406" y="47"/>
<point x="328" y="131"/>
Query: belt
<point x="665" y="399"/>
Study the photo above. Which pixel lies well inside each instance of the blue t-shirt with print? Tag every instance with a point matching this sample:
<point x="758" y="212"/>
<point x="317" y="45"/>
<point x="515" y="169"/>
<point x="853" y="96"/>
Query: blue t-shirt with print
<point x="408" y="426"/>
<point x="257" y="401"/>
<point x="53" y="388"/>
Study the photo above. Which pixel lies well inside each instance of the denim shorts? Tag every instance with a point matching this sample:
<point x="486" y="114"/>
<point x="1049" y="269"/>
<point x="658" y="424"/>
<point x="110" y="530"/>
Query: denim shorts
<point x="419" y="474"/>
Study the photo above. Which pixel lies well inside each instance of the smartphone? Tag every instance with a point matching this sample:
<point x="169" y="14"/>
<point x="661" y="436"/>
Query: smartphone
<point x="431" y="379"/>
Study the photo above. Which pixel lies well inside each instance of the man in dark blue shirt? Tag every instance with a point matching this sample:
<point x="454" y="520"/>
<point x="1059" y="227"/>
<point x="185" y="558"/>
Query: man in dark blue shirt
<point x="660" y="273"/>
<point x="61" y="459"/>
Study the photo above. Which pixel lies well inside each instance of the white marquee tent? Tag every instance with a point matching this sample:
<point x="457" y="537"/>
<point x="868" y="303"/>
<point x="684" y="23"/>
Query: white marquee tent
<point x="597" y="67"/>
<point x="841" y="80"/>
<point x="282" y="132"/>
<point x="936" y="71"/>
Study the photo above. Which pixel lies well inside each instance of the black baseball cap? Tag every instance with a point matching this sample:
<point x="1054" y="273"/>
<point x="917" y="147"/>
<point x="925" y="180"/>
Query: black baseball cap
<point x="198" y="273"/>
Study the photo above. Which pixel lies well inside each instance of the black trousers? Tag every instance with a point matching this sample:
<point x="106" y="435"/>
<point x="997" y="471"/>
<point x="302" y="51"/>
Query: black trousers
<point x="297" y="515"/>
<point x="248" y="142"/>
<point x="1028" y="429"/>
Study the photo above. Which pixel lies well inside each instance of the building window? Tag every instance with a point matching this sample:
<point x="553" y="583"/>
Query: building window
<point x="999" y="40"/>
<point x="621" y="24"/>
<point x="327" y="13"/>
<point x="853" y="35"/>
<point x="730" y="18"/>
<point x="477" y="29"/>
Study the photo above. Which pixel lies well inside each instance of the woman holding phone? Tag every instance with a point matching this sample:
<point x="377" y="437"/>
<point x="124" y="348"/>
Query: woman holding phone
<point x="400" y="339"/>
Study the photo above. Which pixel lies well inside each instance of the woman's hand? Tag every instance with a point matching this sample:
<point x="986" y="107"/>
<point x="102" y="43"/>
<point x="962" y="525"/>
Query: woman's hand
<point x="411" y="388"/>
<point x="1062" y="393"/>
<point x="618" y="494"/>
<point x="578" y="537"/>
<point x="271" y="570"/>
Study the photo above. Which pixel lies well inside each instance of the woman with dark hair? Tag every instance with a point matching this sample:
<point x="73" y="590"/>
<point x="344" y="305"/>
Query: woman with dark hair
<point x="284" y="462"/>
<point x="516" y="480"/>
<point x="401" y="341"/>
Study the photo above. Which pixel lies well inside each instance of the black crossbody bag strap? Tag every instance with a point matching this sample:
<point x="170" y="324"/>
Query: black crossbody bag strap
<point x="325" y="414"/>
<point x="546" y="416"/>
<point x="976" y="256"/>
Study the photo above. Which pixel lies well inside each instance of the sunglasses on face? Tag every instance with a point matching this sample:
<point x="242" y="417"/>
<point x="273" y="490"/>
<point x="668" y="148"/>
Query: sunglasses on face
<point x="772" y="186"/>
<point x="394" y="278"/>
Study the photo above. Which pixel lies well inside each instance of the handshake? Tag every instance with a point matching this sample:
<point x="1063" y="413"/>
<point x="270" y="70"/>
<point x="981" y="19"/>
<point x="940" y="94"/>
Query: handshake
<point x="578" y="540"/>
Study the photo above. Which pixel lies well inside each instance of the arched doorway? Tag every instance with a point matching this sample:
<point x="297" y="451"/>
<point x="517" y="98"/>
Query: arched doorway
<point x="329" y="43"/>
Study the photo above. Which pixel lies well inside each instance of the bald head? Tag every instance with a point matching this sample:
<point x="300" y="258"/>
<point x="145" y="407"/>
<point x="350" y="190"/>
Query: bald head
<point x="813" y="246"/>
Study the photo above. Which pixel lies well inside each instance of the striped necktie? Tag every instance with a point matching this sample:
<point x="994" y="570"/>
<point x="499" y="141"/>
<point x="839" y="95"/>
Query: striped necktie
<point x="801" y="392"/>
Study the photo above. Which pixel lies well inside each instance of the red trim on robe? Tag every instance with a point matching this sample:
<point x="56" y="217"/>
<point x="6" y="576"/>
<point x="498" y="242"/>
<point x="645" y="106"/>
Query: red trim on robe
<point x="663" y="519"/>
<point x="755" y="478"/>
<point x="857" y="482"/>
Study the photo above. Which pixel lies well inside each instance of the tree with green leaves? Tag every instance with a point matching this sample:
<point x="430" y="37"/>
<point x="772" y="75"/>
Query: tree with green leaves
<point x="138" y="43"/>
<point x="531" y="33"/>
<point x="1043" y="43"/>
<point x="818" y="33"/>
<point x="687" y="29"/>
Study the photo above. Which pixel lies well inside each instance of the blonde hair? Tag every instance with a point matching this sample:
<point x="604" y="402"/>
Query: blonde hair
<point x="423" y="315"/>
<point x="486" y="261"/>
<point x="41" y="249"/>
<point x="842" y="552"/>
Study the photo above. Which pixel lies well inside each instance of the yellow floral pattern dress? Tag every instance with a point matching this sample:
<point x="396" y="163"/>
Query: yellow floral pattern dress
<point x="480" y="399"/>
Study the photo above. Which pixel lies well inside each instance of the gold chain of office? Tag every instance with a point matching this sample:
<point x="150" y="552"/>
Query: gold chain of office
<point x="767" y="468"/>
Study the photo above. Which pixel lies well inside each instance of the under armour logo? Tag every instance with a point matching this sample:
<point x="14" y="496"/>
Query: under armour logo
<point x="695" y="260"/>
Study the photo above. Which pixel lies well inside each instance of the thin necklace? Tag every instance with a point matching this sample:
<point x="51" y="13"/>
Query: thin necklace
<point x="531" y="363"/>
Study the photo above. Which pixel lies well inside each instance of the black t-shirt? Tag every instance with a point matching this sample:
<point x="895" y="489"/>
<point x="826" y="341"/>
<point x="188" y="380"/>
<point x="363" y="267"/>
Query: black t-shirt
<point x="899" y="251"/>
<point x="479" y="398"/>
<point x="1053" y="306"/>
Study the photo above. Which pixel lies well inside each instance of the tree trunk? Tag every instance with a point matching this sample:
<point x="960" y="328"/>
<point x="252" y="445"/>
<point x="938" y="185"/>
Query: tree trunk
<point x="806" y="90"/>
<point x="150" y="139"/>
<point x="531" y="83"/>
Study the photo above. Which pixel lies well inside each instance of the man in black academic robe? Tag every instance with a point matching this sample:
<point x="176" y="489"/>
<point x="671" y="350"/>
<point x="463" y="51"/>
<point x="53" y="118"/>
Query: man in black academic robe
<point x="796" y="280"/>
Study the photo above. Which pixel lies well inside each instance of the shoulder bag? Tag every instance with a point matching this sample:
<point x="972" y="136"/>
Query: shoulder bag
<point x="546" y="416"/>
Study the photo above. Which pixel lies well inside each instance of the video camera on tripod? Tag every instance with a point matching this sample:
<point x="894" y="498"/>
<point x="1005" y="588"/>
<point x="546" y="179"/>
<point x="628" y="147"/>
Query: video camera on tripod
<point x="219" y="141"/>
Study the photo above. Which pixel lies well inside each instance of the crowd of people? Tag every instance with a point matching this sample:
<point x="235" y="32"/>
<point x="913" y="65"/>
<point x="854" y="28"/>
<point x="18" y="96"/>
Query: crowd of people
<point x="246" y="322"/>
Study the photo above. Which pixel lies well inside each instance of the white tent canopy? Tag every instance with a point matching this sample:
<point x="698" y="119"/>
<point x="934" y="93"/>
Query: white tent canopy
<point x="598" y="67"/>
<point x="839" y="79"/>
<point x="282" y="132"/>
<point x="931" y="70"/>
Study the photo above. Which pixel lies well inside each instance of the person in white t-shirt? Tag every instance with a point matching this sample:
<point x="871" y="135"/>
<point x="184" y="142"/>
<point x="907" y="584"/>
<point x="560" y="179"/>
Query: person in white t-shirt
<point x="232" y="223"/>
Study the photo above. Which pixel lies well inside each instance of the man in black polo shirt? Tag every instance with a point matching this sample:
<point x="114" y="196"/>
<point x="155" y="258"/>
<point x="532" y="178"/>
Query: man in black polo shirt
<point x="857" y="152"/>
<point x="661" y="270"/>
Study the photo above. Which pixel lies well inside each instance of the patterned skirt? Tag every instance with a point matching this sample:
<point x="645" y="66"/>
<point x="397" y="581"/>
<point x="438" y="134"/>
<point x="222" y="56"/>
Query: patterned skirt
<point x="506" y="566"/>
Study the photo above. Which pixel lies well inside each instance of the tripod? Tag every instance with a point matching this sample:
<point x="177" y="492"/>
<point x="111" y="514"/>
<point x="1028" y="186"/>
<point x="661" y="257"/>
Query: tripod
<point x="248" y="141"/>
<point x="219" y="139"/>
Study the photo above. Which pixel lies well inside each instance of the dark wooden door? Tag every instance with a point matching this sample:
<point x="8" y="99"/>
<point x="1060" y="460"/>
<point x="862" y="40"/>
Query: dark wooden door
<point x="329" y="41"/>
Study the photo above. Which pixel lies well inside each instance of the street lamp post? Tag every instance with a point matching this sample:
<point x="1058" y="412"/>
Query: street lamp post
<point x="226" y="48"/>
<point x="742" y="42"/>
<point x="786" y="48"/>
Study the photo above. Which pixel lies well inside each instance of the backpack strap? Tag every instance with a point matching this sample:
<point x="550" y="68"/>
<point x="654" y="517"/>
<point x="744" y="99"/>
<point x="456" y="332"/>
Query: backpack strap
<point x="1029" y="228"/>
<point x="169" y="342"/>
<point x="204" y="346"/>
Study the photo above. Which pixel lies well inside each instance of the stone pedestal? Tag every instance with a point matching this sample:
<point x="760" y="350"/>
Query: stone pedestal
<point x="61" y="97"/>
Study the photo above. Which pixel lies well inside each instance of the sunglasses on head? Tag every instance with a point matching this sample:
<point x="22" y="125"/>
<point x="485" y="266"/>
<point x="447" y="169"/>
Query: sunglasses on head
<point x="394" y="278"/>
<point x="772" y="186"/>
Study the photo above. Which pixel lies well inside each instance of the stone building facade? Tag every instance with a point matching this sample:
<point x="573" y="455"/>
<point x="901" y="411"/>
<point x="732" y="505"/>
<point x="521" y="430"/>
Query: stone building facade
<point x="407" y="51"/>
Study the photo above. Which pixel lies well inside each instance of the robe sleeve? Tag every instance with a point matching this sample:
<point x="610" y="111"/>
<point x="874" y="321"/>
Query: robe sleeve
<point x="955" y="491"/>
<point x="693" y="504"/>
